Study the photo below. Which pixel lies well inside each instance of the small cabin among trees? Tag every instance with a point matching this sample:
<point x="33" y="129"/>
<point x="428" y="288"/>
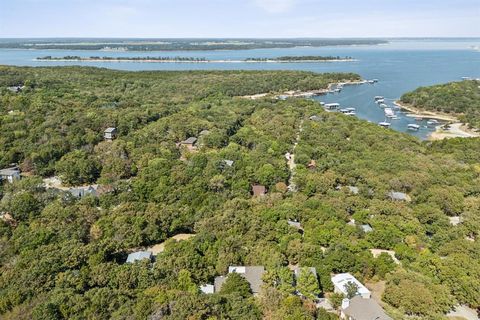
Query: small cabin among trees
<point x="110" y="134"/>
<point x="10" y="174"/>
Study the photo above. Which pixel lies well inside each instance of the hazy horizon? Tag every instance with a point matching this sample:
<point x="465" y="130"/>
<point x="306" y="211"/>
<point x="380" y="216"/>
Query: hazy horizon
<point x="239" y="19"/>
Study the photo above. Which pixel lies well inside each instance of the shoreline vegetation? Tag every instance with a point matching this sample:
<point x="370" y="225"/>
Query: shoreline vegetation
<point x="123" y="45"/>
<point x="457" y="129"/>
<point x="304" y="93"/>
<point x="284" y="59"/>
<point x="455" y="102"/>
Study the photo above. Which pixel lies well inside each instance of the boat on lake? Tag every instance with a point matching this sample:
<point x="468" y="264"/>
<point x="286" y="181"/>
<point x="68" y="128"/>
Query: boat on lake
<point x="413" y="126"/>
<point x="389" y="112"/>
<point x="432" y="122"/>
<point x="383" y="105"/>
<point x="332" y="106"/>
<point x="384" y="124"/>
<point x="379" y="98"/>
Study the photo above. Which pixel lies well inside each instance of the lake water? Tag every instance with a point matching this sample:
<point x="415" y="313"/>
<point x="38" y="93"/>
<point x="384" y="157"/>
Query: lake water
<point x="400" y="66"/>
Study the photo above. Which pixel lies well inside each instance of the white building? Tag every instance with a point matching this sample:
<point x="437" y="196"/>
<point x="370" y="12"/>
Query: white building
<point x="340" y="281"/>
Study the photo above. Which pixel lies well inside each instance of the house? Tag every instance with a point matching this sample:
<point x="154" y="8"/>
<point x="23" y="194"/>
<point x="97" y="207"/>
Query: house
<point x="188" y="143"/>
<point x="207" y="288"/>
<point x="398" y="196"/>
<point x="353" y="190"/>
<point x="228" y="163"/>
<point x="10" y="174"/>
<point x="295" y="224"/>
<point x="16" y="89"/>
<point x="253" y="275"/>
<point x="80" y="192"/>
<point x="139" y="256"/>
<point x="110" y="133"/>
<point x="340" y="281"/>
<point x="358" y="308"/>
<point x="366" y="228"/>
<point x="259" y="190"/>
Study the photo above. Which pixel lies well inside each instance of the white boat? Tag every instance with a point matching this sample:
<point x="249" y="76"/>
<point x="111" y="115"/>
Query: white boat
<point x="384" y="124"/>
<point x="380" y="101"/>
<point x="413" y="127"/>
<point x="331" y="106"/>
<point x="350" y="109"/>
<point x="337" y="90"/>
<point x="432" y="122"/>
<point x="383" y="105"/>
<point x="379" y="98"/>
<point x="394" y="117"/>
<point x="389" y="112"/>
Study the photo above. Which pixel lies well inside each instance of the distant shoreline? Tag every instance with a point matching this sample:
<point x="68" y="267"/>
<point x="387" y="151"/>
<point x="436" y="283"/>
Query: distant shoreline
<point x="193" y="60"/>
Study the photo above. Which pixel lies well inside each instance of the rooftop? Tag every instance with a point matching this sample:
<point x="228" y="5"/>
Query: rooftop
<point x="190" y="140"/>
<point x="140" y="255"/>
<point x="400" y="196"/>
<point x="259" y="190"/>
<point x="341" y="279"/>
<point x="110" y="130"/>
<point x="253" y="274"/>
<point x="9" y="171"/>
<point x="359" y="308"/>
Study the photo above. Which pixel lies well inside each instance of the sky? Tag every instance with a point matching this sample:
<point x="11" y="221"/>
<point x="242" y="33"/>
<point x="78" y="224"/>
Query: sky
<point x="239" y="18"/>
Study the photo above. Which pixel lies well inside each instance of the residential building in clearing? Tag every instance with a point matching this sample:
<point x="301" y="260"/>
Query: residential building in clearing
<point x="110" y="134"/>
<point x="358" y="308"/>
<point x="139" y="256"/>
<point x="259" y="190"/>
<point x="10" y="174"/>
<point x="340" y="281"/>
<point x="253" y="275"/>
<point x="188" y="143"/>
<point x="398" y="196"/>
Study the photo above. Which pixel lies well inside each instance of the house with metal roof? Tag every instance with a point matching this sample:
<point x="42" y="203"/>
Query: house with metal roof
<point x="139" y="256"/>
<point x="398" y="196"/>
<point x="253" y="275"/>
<point x="341" y="280"/>
<point x="110" y="133"/>
<point x="10" y="174"/>
<point x="358" y="308"/>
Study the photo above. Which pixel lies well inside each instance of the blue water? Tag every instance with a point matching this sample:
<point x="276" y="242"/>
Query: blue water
<point x="400" y="66"/>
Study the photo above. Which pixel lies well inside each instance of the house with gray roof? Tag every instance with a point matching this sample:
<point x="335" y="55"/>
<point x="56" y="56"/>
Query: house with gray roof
<point x="253" y="275"/>
<point x="10" y="174"/>
<point x="110" y="133"/>
<point x="188" y="143"/>
<point x="80" y="192"/>
<point x="398" y="196"/>
<point x="359" y="308"/>
<point x="139" y="256"/>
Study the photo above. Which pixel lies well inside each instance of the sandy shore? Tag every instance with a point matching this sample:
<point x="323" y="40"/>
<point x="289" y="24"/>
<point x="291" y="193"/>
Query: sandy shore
<point x="457" y="129"/>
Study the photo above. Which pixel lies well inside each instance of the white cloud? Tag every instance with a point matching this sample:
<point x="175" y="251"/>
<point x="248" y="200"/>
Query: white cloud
<point x="275" y="6"/>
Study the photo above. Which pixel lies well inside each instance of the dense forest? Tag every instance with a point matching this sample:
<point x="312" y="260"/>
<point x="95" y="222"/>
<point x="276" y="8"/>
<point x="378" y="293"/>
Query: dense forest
<point x="458" y="98"/>
<point x="177" y="44"/>
<point x="64" y="258"/>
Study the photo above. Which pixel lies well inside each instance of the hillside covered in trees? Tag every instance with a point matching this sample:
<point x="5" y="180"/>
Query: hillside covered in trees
<point x="457" y="98"/>
<point x="63" y="257"/>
